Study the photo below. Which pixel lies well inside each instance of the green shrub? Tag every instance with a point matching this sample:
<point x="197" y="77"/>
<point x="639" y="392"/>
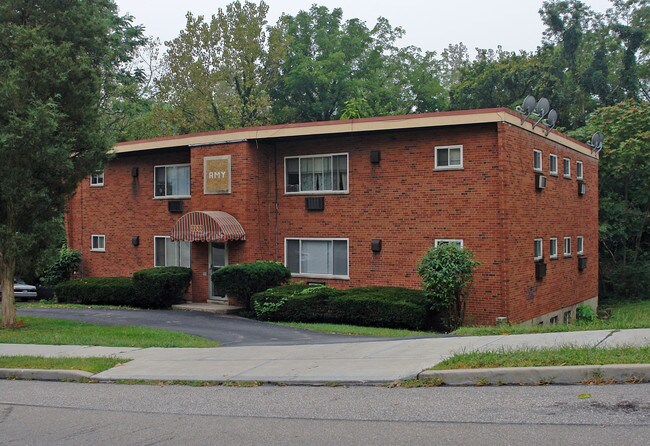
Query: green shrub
<point x="62" y="269"/>
<point x="369" y="306"/>
<point x="242" y="280"/>
<point x="161" y="287"/>
<point x="585" y="313"/>
<point x="446" y="271"/>
<point x="97" y="291"/>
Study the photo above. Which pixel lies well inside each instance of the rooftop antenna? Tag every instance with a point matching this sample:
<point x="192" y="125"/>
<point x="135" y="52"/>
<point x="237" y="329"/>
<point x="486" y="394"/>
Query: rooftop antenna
<point x="551" y="120"/>
<point x="541" y="109"/>
<point x="527" y="108"/>
<point x="596" y="142"/>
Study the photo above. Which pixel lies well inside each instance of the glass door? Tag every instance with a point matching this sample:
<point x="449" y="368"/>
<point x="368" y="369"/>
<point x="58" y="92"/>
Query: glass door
<point x="218" y="258"/>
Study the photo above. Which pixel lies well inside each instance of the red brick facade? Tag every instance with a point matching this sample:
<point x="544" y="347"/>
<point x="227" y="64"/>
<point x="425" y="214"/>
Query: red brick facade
<point x="491" y="204"/>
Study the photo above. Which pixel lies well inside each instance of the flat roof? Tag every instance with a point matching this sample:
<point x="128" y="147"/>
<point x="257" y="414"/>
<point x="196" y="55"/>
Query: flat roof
<point x="381" y="123"/>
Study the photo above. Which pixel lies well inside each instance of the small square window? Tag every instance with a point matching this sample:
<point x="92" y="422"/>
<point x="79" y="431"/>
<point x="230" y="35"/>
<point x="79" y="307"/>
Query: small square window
<point x="567" y="168"/>
<point x="449" y="157"/>
<point x="580" y="245"/>
<point x="552" y="164"/>
<point x="553" y="248"/>
<point x="97" y="243"/>
<point x="579" y="173"/>
<point x="567" y="246"/>
<point x="538" y="253"/>
<point x="97" y="178"/>
<point x="537" y="160"/>
<point x="442" y="241"/>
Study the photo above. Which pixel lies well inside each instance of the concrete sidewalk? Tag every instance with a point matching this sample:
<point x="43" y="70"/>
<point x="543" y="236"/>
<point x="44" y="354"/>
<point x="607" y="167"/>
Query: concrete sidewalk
<point x="362" y="362"/>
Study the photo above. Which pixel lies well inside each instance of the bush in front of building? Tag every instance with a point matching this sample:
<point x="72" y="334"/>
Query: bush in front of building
<point x="97" y="291"/>
<point x="242" y="280"/>
<point x="368" y="306"/>
<point x="161" y="287"/>
<point x="447" y="272"/>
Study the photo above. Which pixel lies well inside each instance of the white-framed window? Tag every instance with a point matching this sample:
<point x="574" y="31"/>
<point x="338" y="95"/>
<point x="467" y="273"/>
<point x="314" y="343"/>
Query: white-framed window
<point x="317" y="257"/>
<point x="567" y="246"/>
<point x="97" y="178"/>
<point x="552" y="164"/>
<point x="448" y="157"/>
<point x="580" y="245"/>
<point x="553" y="247"/>
<point x="172" y="181"/>
<point x="538" y="252"/>
<point x="316" y="173"/>
<point x="579" y="172"/>
<point x="168" y="253"/>
<point x="567" y="167"/>
<point x="537" y="160"/>
<point x="98" y="242"/>
<point x="441" y="241"/>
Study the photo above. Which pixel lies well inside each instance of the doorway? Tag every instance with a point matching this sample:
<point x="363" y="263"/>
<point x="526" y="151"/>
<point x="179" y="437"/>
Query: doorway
<point x="218" y="258"/>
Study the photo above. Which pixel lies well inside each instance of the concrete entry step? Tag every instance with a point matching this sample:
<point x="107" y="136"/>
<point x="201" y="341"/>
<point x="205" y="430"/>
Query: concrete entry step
<point x="207" y="307"/>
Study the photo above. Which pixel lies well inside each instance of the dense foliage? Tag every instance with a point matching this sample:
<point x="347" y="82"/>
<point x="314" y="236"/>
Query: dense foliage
<point x="369" y="306"/>
<point x="161" y="287"/>
<point x="63" y="267"/>
<point x="242" y="280"/>
<point x="97" y="291"/>
<point x="446" y="271"/>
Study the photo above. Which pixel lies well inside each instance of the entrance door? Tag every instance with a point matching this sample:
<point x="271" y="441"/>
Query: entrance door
<point x="218" y="258"/>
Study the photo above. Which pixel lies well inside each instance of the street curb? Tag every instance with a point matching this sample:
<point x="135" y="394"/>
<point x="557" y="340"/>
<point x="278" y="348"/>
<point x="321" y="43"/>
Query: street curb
<point x="581" y="374"/>
<point x="45" y="375"/>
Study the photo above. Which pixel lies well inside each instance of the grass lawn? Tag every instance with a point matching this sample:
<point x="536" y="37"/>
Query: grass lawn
<point x="50" y="304"/>
<point x="539" y="357"/>
<point x="38" y="330"/>
<point x="92" y="365"/>
<point x="623" y="315"/>
<point x="356" y="330"/>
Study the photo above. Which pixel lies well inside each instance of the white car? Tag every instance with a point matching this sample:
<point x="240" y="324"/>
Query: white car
<point x="22" y="291"/>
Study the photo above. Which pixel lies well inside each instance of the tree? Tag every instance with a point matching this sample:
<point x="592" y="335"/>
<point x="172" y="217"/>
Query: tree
<point x="446" y="271"/>
<point x="215" y="72"/>
<point x="57" y="58"/>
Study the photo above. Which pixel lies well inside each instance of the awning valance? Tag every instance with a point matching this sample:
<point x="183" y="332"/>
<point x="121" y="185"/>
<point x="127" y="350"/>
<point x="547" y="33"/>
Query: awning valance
<point x="207" y="226"/>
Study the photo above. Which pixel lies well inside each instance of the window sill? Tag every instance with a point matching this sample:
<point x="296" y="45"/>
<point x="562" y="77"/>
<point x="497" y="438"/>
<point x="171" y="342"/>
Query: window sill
<point x="554" y="174"/>
<point x="320" y="276"/>
<point x="553" y="258"/>
<point x="319" y="192"/>
<point x="173" y="197"/>
<point x="567" y="256"/>
<point x="567" y="177"/>
<point x="438" y="169"/>
<point x="97" y="250"/>
<point x="580" y="178"/>
<point x="97" y="185"/>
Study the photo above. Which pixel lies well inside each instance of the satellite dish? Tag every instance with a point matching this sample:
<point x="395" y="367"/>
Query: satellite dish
<point x="527" y="108"/>
<point x="541" y="109"/>
<point x="596" y="142"/>
<point x="551" y="120"/>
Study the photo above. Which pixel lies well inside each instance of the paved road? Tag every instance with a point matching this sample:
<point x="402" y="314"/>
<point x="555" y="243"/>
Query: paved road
<point x="38" y="413"/>
<point x="229" y="330"/>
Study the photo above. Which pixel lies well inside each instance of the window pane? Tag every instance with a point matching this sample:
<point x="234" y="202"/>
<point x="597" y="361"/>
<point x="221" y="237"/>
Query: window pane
<point x="218" y="254"/>
<point x="340" y="258"/>
<point x="293" y="256"/>
<point x="341" y="172"/>
<point x="293" y="175"/>
<point x="454" y="157"/>
<point x="306" y="174"/>
<point x="171" y="252"/>
<point x="553" y="244"/>
<point x="178" y="180"/>
<point x="327" y="174"/>
<point x="443" y="157"/>
<point x="159" y="251"/>
<point x="315" y="257"/>
<point x="159" y="175"/>
<point x="537" y="160"/>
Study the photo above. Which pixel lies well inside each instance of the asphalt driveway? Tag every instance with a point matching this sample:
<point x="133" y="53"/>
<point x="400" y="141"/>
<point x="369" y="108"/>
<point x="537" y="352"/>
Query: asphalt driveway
<point x="229" y="330"/>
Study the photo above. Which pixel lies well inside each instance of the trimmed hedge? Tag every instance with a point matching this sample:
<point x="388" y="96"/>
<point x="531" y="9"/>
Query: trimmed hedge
<point x="242" y="280"/>
<point x="97" y="291"/>
<point x="161" y="287"/>
<point x="149" y="288"/>
<point x="369" y="306"/>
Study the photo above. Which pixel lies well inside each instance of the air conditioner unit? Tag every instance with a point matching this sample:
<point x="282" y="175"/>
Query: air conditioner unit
<point x="582" y="263"/>
<point x="540" y="182"/>
<point x="582" y="188"/>
<point x="540" y="270"/>
<point x="175" y="206"/>
<point x="315" y="203"/>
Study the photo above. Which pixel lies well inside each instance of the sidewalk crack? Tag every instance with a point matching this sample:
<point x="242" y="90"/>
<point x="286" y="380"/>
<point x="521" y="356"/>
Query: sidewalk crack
<point x="611" y="333"/>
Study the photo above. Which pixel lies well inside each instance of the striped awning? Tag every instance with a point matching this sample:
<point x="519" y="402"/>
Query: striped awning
<point x="207" y="226"/>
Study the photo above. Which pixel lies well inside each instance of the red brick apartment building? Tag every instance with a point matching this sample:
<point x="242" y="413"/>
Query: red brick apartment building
<point x="356" y="203"/>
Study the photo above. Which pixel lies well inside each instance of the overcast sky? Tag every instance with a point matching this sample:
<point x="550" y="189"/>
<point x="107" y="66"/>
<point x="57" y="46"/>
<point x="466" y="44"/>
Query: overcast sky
<point x="429" y="24"/>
